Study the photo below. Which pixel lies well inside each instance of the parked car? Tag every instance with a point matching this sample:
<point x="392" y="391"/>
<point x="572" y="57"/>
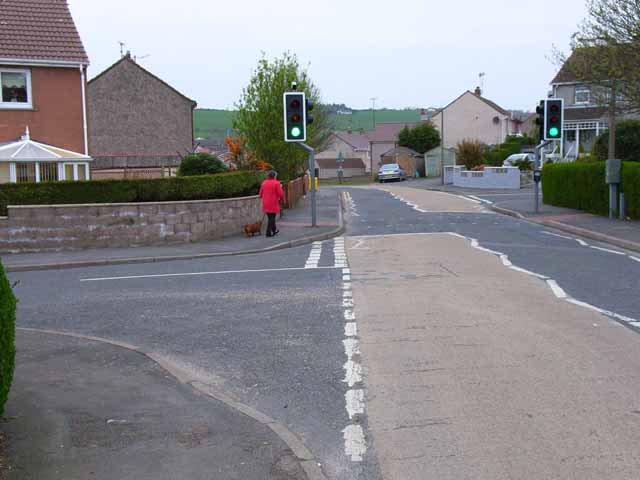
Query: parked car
<point x="518" y="157"/>
<point x="391" y="171"/>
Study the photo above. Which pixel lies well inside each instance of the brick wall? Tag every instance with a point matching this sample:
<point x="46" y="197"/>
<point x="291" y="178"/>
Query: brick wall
<point x="69" y="227"/>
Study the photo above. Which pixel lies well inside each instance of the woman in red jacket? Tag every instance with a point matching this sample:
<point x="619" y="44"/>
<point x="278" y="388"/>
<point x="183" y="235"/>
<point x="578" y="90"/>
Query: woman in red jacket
<point x="271" y="194"/>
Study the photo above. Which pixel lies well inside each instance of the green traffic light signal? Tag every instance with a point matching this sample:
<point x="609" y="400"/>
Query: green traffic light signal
<point x="554" y="132"/>
<point x="296" y="132"/>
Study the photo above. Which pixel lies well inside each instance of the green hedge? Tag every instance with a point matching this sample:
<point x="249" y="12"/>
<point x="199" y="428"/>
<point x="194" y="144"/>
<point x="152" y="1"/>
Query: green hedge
<point x="576" y="185"/>
<point x="631" y="188"/>
<point x="7" y="337"/>
<point x="581" y="185"/>
<point x="206" y="187"/>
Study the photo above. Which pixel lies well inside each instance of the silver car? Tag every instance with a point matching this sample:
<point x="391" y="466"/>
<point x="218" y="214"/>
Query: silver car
<point x="392" y="171"/>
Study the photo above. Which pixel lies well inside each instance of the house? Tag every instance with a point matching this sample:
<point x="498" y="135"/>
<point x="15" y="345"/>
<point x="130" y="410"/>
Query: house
<point x="351" y="167"/>
<point x="136" y="119"/>
<point x="472" y="117"/>
<point x="43" y="67"/>
<point x="383" y="139"/>
<point x="409" y="160"/>
<point x="584" y="117"/>
<point x="349" y="145"/>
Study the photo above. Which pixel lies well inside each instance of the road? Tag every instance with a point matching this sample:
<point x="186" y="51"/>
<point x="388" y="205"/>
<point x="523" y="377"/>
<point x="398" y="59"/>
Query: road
<point x="436" y="340"/>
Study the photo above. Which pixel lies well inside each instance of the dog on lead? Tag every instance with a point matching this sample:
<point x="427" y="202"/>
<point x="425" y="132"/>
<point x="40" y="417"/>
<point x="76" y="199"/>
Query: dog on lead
<point x="251" y="229"/>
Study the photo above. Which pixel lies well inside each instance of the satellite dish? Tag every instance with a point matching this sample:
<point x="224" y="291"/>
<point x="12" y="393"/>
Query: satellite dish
<point x="496" y="120"/>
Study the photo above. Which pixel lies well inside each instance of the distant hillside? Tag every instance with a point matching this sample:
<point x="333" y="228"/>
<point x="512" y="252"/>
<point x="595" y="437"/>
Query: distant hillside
<point x="209" y="123"/>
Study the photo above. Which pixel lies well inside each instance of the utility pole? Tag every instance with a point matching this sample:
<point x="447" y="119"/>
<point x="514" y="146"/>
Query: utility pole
<point x="373" y="111"/>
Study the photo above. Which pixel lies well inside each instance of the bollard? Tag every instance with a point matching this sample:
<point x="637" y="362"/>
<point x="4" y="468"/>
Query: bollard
<point x="622" y="206"/>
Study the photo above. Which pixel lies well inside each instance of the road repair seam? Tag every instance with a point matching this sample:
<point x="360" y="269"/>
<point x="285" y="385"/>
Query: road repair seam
<point x="353" y="209"/>
<point x="355" y="444"/>
<point x="308" y="462"/>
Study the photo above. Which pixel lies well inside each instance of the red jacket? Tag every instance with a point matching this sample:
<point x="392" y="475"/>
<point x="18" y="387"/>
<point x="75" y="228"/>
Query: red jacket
<point x="271" y="194"/>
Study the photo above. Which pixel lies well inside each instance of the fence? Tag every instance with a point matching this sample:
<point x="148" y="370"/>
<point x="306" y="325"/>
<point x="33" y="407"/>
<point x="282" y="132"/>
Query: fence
<point x="294" y="191"/>
<point x="133" y="173"/>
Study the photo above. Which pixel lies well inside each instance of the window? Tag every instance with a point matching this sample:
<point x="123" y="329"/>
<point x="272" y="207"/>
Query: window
<point x="583" y="95"/>
<point x="16" y="88"/>
<point x="25" y="172"/>
<point x="68" y="171"/>
<point x="82" y="172"/>
<point x="48" y="172"/>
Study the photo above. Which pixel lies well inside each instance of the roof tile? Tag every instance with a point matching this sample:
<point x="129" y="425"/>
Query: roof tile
<point x="39" y="30"/>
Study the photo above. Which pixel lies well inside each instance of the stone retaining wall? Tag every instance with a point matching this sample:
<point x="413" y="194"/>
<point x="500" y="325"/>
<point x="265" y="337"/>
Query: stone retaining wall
<point x="71" y="227"/>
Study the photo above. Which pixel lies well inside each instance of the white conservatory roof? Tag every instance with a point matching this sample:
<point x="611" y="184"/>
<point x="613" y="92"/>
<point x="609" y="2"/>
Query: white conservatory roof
<point x="27" y="150"/>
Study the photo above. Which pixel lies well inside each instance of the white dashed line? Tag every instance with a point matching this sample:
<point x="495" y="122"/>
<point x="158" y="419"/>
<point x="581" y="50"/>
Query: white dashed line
<point x="314" y="255"/>
<point x="555" y="288"/>
<point x="615" y="252"/>
<point x="635" y="259"/>
<point x="355" y="403"/>
<point x="557" y="235"/>
<point x="354" y="442"/>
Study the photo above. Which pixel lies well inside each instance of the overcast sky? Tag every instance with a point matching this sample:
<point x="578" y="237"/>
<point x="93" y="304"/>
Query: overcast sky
<point x="407" y="53"/>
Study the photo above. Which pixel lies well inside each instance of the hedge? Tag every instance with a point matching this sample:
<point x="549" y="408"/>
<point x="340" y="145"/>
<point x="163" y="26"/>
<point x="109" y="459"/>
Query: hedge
<point x="582" y="186"/>
<point x="205" y="187"/>
<point x="7" y="337"/>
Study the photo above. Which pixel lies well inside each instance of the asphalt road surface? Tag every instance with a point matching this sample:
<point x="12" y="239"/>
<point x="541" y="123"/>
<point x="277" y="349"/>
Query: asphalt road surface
<point x="339" y="340"/>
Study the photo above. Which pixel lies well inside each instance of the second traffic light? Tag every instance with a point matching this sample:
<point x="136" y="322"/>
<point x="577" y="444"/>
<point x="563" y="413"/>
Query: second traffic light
<point x="553" y="113"/>
<point x="295" y="117"/>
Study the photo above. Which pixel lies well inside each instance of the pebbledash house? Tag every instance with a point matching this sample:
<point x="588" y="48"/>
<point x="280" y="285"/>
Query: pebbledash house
<point x="43" y="114"/>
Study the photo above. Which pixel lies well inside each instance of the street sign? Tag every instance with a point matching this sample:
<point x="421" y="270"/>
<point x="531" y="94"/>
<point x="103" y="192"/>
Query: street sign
<point x="295" y="120"/>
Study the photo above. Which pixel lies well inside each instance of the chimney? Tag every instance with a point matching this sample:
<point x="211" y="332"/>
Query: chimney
<point x="478" y="91"/>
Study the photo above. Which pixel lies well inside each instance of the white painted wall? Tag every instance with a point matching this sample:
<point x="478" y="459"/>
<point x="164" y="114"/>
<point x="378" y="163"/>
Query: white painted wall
<point x="491" y="177"/>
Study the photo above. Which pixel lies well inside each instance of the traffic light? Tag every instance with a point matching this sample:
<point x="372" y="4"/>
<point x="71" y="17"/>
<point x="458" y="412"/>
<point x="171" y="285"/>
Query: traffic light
<point x="295" y="121"/>
<point x="308" y="107"/>
<point x="553" y="114"/>
<point x="540" y="119"/>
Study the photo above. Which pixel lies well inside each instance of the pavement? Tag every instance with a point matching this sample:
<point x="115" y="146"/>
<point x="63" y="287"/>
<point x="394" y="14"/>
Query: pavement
<point x="294" y="226"/>
<point x="520" y="203"/>
<point x="81" y="409"/>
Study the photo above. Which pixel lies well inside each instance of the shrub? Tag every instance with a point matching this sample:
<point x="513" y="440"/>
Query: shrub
<point x="7" y="337"/>
<point x="421" y="138"/>
<point x="200" y="164"/>
<point x="470" y="153"/>
<point x="205" y="187"/>
<point x="627" y="142"/>
<point x="631" y="188"/>
<point x="576" y="185"/>
<point x="524" y="164"/>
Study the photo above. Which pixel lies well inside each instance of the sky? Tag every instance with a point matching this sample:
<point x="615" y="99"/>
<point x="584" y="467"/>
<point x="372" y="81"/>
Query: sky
<point x="404" y="53"/>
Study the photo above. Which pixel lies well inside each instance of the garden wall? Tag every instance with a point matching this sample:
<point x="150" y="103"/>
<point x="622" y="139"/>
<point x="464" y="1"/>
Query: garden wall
<point x="68" y="227"/>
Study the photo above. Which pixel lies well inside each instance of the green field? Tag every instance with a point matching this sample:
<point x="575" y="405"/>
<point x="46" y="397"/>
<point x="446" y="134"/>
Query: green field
<point x="215" y="123"/>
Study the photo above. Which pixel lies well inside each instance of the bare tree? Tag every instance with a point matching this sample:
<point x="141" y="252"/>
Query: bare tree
<point x="606" y="55"/>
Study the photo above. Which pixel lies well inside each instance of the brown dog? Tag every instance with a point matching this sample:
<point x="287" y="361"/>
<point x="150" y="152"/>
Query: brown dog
<point x="252" y="229"/>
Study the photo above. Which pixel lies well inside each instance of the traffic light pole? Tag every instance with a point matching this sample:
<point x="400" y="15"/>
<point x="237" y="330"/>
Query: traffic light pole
<point x="536" y="172"/>
<point x="312" y="173"/>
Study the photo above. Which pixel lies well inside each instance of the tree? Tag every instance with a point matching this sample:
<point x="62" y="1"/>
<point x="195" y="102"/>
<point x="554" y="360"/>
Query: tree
<point x="421" y="138"/>
<point x="260" y="115"/>
<point x="627" y="142"/>
<point x="200" y="164"/>
<point x="606" y="55"/>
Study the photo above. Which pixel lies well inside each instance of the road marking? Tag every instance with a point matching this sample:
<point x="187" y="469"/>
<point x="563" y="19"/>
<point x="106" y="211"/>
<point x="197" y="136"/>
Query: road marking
<point x="353" y="373"/>
<point x="615" y="252"/>
<point x="355" y="444"/>
<point x="555" y="288"/>
<point x="314" y="255"/>
<point x="489" y="202"/>
<point x="351" y="329"/>
<point x="195" y="274"/>
<point x="528" y="272"/>
<point x="349" y="315"/>
<point x="557" y="235"/>
<point x="634" y="258"/>
<point x="355" y="403"/>
<point x="505" y="261"/>
<point x="581" y="242"/>
<point x="351" y="347"/>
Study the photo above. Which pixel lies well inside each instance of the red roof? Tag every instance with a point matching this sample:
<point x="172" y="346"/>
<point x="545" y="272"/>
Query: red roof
<point x="39" y="30"/>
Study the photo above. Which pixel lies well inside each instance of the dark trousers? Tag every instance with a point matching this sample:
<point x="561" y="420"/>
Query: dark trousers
<point x="271" y="225"/>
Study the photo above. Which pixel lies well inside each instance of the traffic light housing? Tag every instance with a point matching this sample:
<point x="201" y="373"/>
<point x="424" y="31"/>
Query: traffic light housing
<point x="295" y="118"/>
<point x="540" y="119"/>
<point x="553" y="119"/>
